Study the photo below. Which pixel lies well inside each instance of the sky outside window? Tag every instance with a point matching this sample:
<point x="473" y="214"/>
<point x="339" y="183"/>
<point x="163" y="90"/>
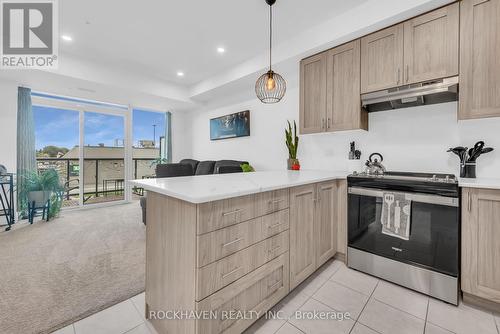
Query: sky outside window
<point x="60" y="127"/>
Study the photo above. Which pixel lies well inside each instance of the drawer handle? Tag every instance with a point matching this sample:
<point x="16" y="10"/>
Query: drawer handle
<point x="276" y="201"/>
<point x="274" y="225"/>
<point x="230" y="273"/>
<point x="275" y="284"/>
<point x="274" y="249"/>
<point x="232" y="242"/>
<point x="231" y="212"/>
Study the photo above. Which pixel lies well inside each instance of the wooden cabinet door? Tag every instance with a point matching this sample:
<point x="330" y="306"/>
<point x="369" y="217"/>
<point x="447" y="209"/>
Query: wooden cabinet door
<point x="302" y="243"/>
<point x="343" y="106"/>
<point x="479" y="59"/>
<point x="431" y="45"/>
<point x="313" y="94"/>
<point x="480" y="246"/>
<point x="326" y="222"/>
<point x="382" y="59"/>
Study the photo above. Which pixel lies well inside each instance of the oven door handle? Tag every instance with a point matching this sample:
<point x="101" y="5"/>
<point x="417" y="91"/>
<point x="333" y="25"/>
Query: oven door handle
<point x="415" y="197"/>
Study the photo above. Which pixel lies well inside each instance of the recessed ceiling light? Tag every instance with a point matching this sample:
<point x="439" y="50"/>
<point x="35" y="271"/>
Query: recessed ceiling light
<point x="221" y="50"/>
<point x="180" y="74"/>
<point x="67" y="38"/>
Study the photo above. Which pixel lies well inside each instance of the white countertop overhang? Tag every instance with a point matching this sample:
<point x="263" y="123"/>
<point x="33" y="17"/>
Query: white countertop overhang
<point x="208" y="188"/>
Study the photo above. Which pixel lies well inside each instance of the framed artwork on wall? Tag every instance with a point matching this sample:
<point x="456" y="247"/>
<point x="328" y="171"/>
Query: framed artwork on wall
<point x="230" y="126"/>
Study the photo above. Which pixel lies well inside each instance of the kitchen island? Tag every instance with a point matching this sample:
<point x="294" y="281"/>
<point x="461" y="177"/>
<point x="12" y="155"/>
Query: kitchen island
<point x="221" y="250"/>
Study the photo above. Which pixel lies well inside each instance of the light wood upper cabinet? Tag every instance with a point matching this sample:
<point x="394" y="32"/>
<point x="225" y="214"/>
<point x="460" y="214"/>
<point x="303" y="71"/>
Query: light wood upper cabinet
<point x="480" y="246"/>
<point x="431" y="45"/>
<point x="313" y="94"/>
<point x="479" y="59"/>
<point x="421" y="49"/>
<point x="326" y="222"/>
<point x="343" y="105"/>
<point x="382" y="59"/>
<point x="302" y="243"/>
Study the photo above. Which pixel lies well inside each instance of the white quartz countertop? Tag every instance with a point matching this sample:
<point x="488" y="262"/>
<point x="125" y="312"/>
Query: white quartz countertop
<point x="207" y="188"/>
<point x="485" y="183"/>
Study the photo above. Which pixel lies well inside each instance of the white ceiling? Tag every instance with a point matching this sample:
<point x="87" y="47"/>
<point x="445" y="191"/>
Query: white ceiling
<point x="160" y="37"/>
<point x="129" y="51"/>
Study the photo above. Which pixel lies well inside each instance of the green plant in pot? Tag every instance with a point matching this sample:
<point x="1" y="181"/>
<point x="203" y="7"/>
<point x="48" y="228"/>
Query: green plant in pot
<point x="292" y="143"/>
<point x="39" y="188"/>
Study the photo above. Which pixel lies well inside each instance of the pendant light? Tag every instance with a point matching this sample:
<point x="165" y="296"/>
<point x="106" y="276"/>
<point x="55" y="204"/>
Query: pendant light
<point x="270" y="87"/>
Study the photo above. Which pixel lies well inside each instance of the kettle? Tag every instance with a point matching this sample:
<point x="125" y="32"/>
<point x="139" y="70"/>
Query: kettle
<point x="373" y="165"/>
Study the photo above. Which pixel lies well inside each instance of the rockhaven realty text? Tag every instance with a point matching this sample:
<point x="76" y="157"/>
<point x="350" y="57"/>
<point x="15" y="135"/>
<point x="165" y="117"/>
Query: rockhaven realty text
<point x="246" y="315"/>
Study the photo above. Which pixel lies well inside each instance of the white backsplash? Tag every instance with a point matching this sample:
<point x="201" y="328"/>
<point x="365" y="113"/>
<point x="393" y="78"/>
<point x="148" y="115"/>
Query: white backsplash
<point x="413" y="139"/>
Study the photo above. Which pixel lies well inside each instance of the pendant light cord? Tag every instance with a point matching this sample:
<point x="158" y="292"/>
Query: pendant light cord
<point x="270" y="36"/>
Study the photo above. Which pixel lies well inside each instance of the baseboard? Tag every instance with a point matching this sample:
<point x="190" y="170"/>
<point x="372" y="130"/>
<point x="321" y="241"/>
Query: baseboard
<point x="481" y="303"/>
<point x="340" y="257"/>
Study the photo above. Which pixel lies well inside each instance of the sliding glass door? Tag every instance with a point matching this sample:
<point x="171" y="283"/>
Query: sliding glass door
<point x="57" y="140"/>
<point x="96" y="147"/>
<point x="104" y="157"/>
<point x="88" y="144"/>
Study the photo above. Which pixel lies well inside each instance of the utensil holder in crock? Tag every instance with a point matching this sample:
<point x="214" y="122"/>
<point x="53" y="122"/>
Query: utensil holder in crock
<point x="468" y="170"/>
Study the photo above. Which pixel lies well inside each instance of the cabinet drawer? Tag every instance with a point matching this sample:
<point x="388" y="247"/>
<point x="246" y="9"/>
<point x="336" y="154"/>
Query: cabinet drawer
<point x="250" y="296"/>
<point x="218" y="244"/>
<point x="218" y="214"/>
<point x="223" y="272"/>
<point x="272" y="201"/>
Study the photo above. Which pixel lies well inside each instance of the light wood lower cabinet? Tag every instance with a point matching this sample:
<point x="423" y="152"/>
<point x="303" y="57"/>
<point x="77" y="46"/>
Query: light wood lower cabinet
<point x="313" y="228"/>
<point x="234" y="258"/>
<point x="227" y="270"/>
<point x="479" y="59"/>
<point x="480" y="243"/>
<point x="221" y="243"/>
<point x="250" y="296"/>
<point x="302" y="244"/>
<point x="325" y="222"/>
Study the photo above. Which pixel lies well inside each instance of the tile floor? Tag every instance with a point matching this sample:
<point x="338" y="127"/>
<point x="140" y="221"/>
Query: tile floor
<point x="375" y="306"/>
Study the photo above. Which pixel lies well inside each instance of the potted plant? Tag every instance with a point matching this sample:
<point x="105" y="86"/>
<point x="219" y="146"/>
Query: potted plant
<point x="292" y="143"/>
<point x="247" y="168"/>
<point x="39" y="189"/>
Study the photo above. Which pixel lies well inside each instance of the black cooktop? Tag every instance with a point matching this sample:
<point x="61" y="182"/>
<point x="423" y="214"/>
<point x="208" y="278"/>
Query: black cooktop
<point x="430" y="183"/>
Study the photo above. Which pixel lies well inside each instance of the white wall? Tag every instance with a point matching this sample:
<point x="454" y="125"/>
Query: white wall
<point x="181" y="142"/>
<point x="8" y="127"/>
<point x="414" y="139"/>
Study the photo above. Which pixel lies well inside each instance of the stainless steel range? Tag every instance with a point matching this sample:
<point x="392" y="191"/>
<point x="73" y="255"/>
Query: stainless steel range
<point x="405" y="228"/>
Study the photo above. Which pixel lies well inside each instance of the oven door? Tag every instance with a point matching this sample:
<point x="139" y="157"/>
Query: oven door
<point x="434" y="229"/>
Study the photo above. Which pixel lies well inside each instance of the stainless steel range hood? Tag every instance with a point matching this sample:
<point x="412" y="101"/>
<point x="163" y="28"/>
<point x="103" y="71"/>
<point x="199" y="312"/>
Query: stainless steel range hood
<point x="431" y="92"/>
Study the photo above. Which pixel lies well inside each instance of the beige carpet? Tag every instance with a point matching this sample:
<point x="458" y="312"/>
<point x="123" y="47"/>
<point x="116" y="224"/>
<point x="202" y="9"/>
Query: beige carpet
<point x="52" y="274"/>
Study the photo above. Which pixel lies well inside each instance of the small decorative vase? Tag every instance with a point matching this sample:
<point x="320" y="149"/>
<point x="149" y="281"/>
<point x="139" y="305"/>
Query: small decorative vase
<point x="291" y="162"/>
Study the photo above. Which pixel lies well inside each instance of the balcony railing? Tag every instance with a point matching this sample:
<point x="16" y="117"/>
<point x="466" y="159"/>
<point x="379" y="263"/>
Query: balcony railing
<point x="103" y="177"/>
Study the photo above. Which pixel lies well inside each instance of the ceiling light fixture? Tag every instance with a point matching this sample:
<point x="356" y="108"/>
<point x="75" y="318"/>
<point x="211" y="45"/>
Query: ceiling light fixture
<point x="221" y="50"/>
<point x="270" y="87"/>
<point x="180" y="74"/>
<point x="67" y="38"/>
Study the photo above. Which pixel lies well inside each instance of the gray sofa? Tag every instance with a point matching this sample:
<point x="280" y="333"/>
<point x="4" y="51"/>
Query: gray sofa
<point x="191" y="167"/>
